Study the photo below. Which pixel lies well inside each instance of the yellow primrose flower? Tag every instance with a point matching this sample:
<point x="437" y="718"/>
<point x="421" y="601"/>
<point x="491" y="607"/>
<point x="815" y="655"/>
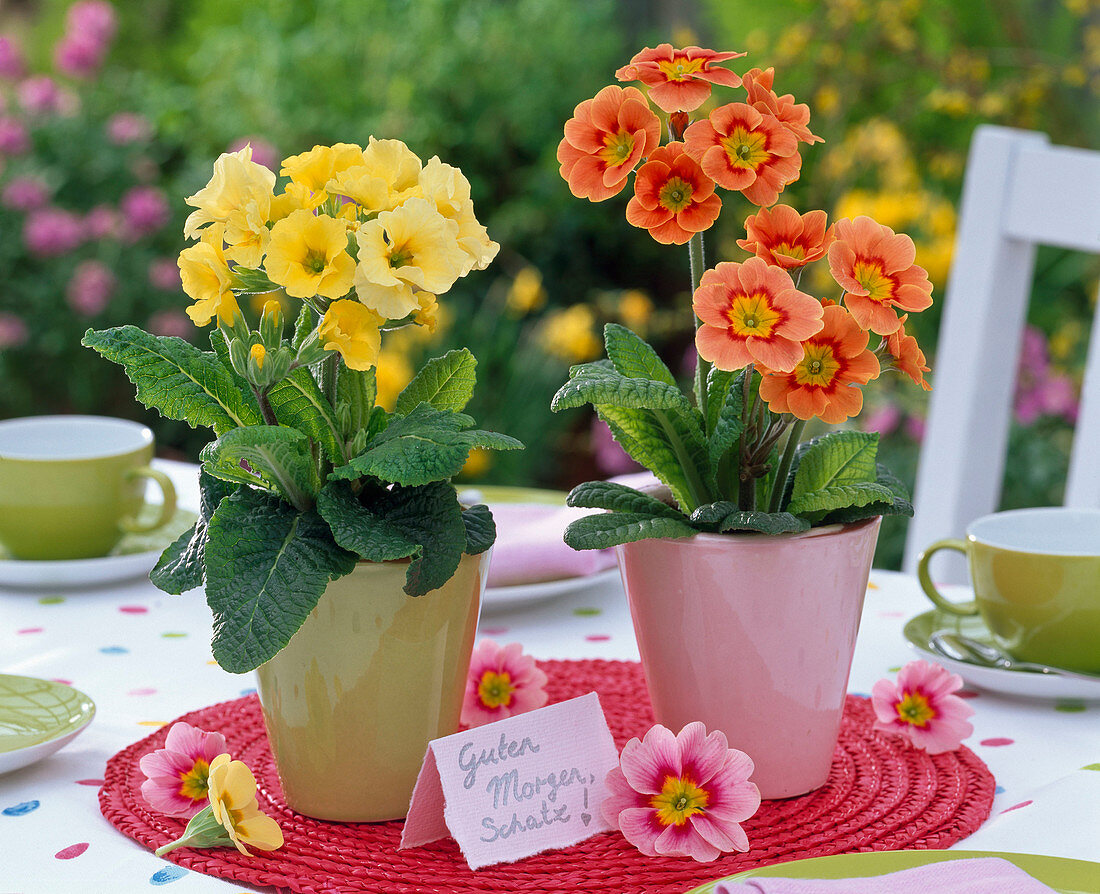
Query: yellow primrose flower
<point x="207" y="280"/>
<point x="402" y="251"/>
<point x="428" y="314"/>
<point x="526" y="294"/>
<point x="387" y="175"/>
<point x="569" y="334"/>
<point x="448" y="189"/>
<point x="232" y="794"/>
<point x="353" y="330"/>
<point x="310" y="171"/>
<point x="237" y="182"/>
<point x="635" y="310"/>
<point x="392" y="372"/>
<point x="307" y="256"/>
<point x="247" y="233"/>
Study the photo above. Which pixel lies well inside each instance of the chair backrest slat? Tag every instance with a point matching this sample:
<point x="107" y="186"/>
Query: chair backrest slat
<point x="1019" y="193"/>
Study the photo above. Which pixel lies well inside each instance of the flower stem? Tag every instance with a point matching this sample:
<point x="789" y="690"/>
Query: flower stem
<point x="265" y="406"/>
<point x="784" y="469"/>
<point x="328" y="377"/>
<point x="702" y="367"/>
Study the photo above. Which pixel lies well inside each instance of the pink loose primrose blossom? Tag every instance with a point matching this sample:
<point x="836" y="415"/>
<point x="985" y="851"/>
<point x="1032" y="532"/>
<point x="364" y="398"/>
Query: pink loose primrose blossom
<point x="12" y="65"/>
<point x="177" y="774"/>
<point x="164" y="274"/>
<point x="171" y="322"/>
<point x="90" y="290"/>
<point x="40" y="95"/>
<point x="922" y="706"/>
<point x="126" y="127"/>
<point x="13" y="331"/>
<point x="144" y="211"/>
<point x="682" y="795"/>
<point x="49" y="232"/>
<point x="14" y="139"/>
<point x="92" y="18"/>
<point x="102" y="222"/>
<point x="78" y="56"/>
<point x="502" y="682"/>
<point x="23" y="194"/>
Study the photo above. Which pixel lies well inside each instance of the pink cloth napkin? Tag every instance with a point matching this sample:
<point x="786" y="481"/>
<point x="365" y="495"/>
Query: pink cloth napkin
<point x="984" y="875"/>
<point x="530" y="549"/>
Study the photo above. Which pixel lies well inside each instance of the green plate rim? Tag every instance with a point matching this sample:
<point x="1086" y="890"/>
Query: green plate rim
<point x="74" y="724"/>
<point x="1064" y="875"/>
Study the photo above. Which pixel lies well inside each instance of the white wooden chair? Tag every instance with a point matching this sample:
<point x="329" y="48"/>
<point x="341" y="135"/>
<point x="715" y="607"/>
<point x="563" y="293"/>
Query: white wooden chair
<point x="1019" y="192"/>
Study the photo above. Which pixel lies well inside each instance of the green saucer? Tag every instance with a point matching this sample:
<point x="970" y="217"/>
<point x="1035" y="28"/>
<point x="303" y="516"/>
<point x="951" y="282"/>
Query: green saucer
<point x="1064" y="876"/>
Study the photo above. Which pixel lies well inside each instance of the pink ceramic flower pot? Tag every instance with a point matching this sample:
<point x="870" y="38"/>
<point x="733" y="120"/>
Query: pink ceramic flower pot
<point x="753" y="635"/>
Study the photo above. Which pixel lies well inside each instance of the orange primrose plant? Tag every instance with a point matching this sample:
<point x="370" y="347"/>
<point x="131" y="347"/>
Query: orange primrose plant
<point x="771" y="356"/>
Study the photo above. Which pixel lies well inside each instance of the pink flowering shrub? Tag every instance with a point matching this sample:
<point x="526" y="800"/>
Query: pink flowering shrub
<point x="85" y="220"/>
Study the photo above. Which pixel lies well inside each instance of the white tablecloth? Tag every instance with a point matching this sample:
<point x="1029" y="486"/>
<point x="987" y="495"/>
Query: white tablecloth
<point x="144" y="657"/>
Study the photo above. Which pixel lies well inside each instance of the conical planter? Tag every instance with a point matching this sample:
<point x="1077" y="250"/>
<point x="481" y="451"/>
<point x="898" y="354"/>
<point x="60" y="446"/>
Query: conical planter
<point x="371" y="677"/>
<point x="753" y="635"/>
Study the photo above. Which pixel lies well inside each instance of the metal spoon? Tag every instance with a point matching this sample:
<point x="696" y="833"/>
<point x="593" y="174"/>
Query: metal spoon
<point x="963" y="648"/>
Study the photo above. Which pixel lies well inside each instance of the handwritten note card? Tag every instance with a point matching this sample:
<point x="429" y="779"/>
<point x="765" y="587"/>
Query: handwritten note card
<point x="516" y="787"/>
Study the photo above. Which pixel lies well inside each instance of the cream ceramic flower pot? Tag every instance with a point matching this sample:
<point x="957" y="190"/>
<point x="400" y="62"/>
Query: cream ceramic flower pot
<point x="371" y="677"/>
<point x="753" y="635"/>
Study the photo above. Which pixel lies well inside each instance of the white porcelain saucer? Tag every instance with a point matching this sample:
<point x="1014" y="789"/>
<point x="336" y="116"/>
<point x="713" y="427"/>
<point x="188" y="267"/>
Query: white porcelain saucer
<point x="135" y="555"/>
<point x="917" y="631"/>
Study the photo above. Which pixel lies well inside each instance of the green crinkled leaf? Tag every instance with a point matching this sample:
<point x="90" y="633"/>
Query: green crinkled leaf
<point x="221" y="350"/>
<point x="841" y="496"/>
<point x="724" y="516"/>
<point x="430" y="515"/>
<point x="298" y="402"/>
<point x="426" y="445"/>
<point x="303" y="326"/>
<point x="357" y="390"/>
<point x="835" y="459"/>
<point x="277" y="458"/>
<point x="719" y="382"/>
<point x="602" y="388"/>
<point x="481" y="529"/>
<point x="900" y="506"/>
<point x="446" y="383"/>
<point x="177" y="379"/>
<point x="633" y="357"/>
<point x="267" y="564"/>
<point x="675" y="453"/>
<point x="727" y="425"/>
<point x="357" y="528"/>
<point x="180" y="566"/>
<point x="619" y="498"/>
<point x="612" y="528"/>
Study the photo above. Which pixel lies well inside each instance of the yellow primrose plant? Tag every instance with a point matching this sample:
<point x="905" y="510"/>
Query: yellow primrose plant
<point x="307" y="476"/>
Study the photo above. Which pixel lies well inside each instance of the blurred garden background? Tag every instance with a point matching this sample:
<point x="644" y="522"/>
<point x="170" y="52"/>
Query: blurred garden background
<point x="111" y="113"/>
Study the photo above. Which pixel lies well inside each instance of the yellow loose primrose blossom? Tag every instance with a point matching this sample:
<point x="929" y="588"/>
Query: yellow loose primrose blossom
<point x="387" y="175"/>
<point x="207" y="280"/>
<point x="310" y="171"/>
<point x="353" y="330"/>
<point x="232" y="818"/>
<point x="428" y="314"/>
<point x="238" y="182"/>
<point x="412" y="248"/>
<point x="526" y="294"/>
<point x="448" y="189"/>
<point x="307" y="256"/>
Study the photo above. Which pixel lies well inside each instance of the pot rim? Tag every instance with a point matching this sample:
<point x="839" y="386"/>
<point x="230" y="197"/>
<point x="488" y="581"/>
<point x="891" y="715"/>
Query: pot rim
<point x="751" y="536"/>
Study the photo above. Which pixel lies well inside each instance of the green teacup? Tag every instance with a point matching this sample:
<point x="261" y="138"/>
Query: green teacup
<point x="71" y="486"/>
<point x="1036" y="577"/>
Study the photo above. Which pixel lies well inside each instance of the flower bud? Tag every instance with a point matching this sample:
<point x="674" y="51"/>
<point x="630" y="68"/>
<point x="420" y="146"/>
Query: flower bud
<point x="238" y="356"/>
<point x="311" y="350"/>
<point x="271" y="324"/>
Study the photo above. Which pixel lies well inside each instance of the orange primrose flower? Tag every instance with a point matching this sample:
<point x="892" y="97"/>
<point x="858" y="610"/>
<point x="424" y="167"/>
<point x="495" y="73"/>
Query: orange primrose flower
<point x="875" y="268"/>
<point x="673" y="198"/>
<point x="908" y="357"/>
<point x="678" y="79"/>
<point x="786" y="239"/>
<point x="752" y="313"/>
<point x="796" y="116"/>
<point x="833" y="360"/>
<point x="604" y="141"/>
<point x="741" y="148"/>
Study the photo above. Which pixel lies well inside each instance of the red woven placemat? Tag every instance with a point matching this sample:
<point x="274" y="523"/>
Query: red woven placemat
<point x="881" y="795"/>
